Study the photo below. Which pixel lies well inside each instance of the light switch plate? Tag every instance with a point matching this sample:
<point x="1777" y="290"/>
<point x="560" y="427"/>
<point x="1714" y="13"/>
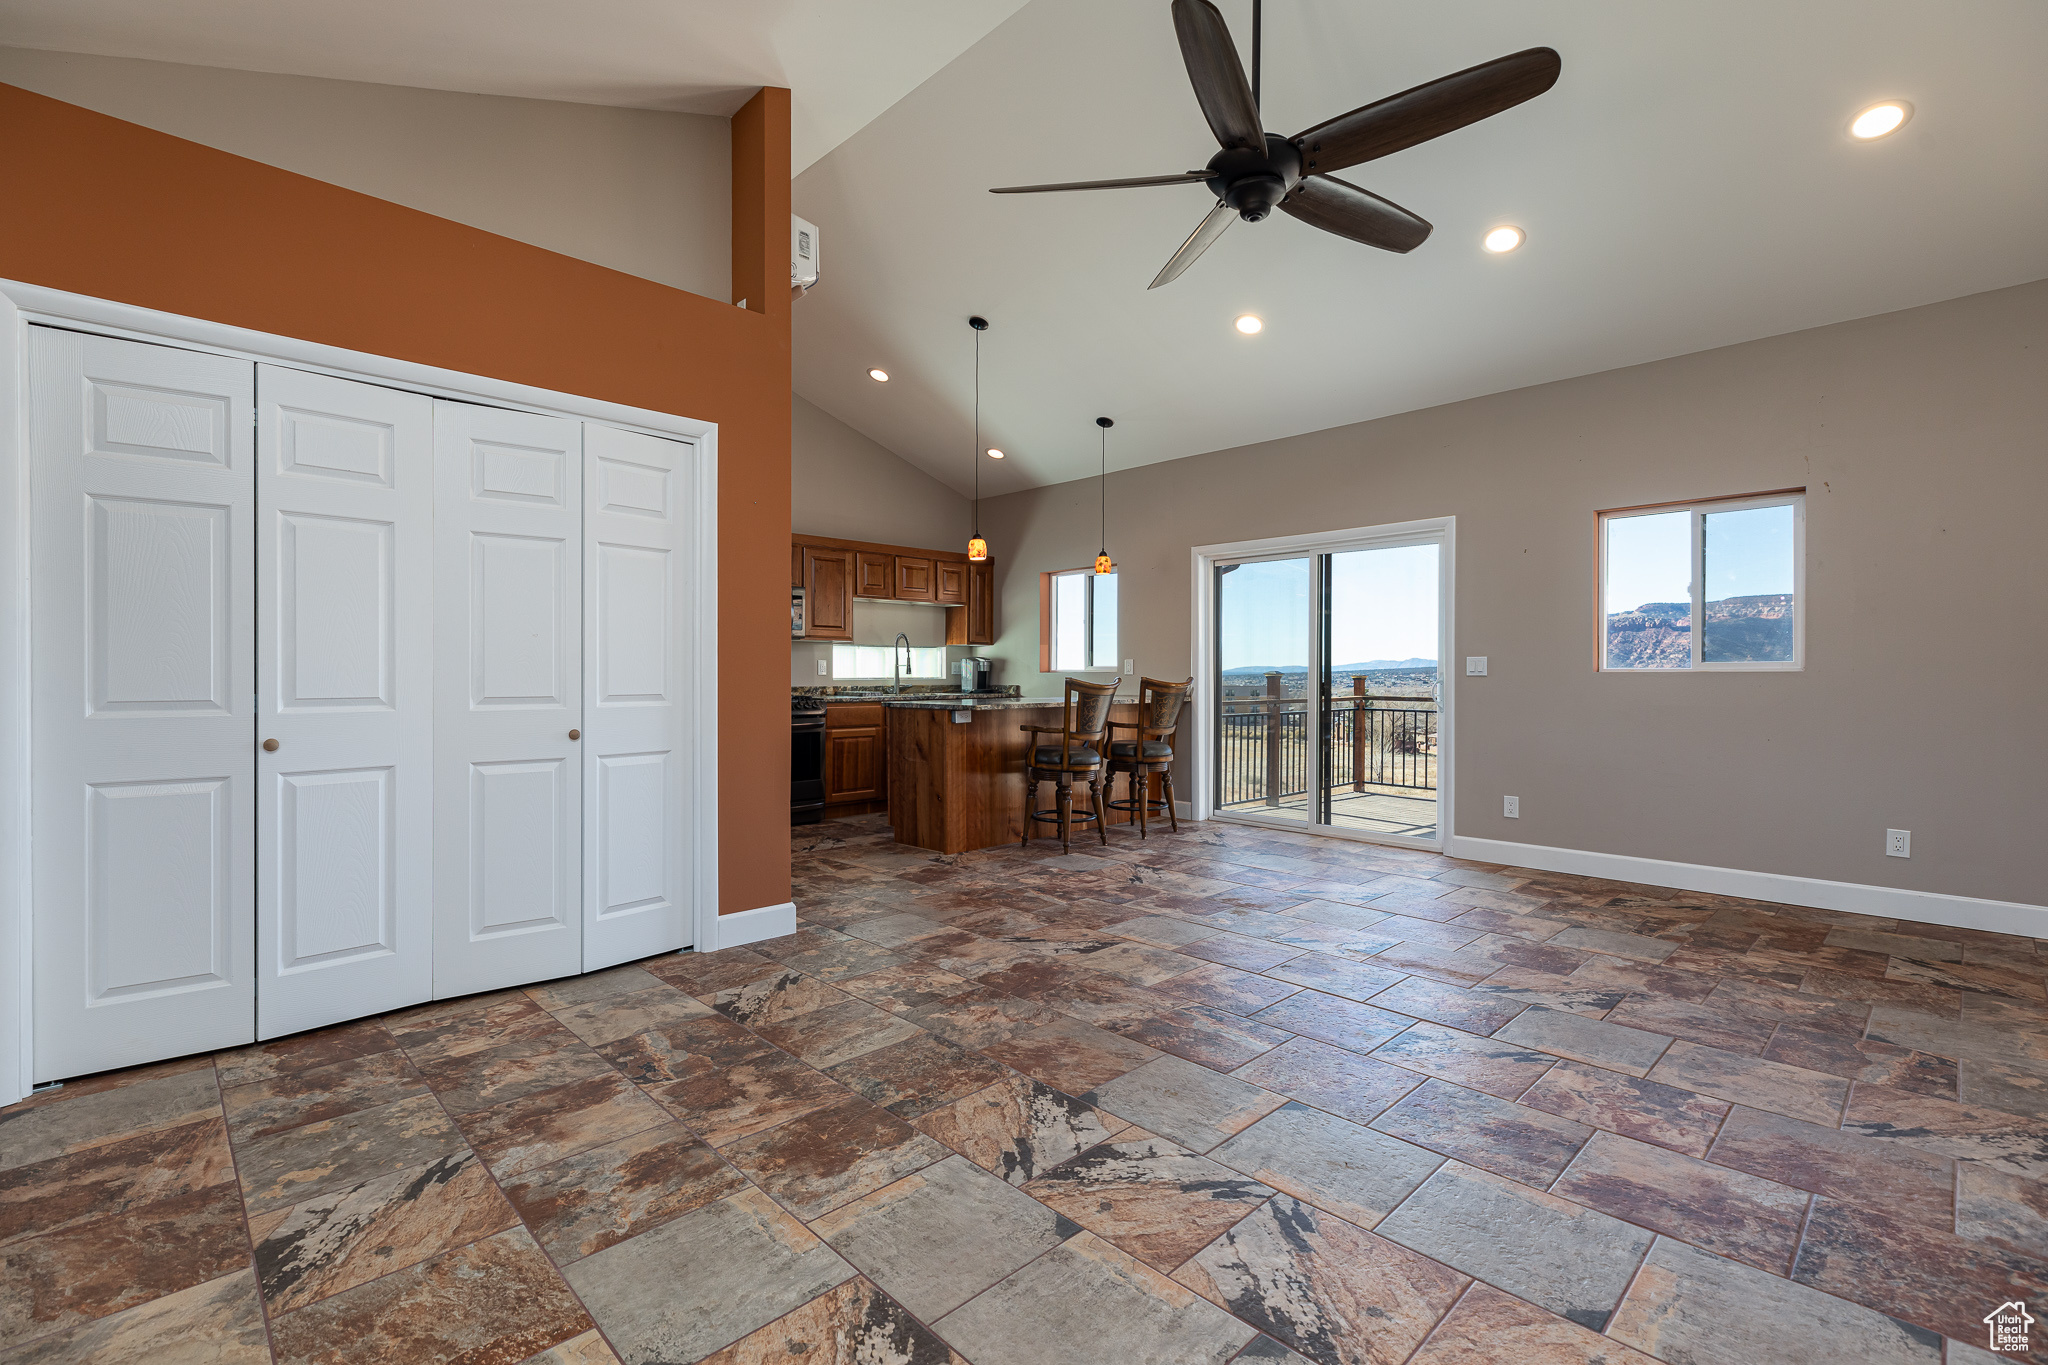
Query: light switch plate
<point x="1475" y="665"/>
<point x="1130" y="667"/>
<point x="824" y="668"/>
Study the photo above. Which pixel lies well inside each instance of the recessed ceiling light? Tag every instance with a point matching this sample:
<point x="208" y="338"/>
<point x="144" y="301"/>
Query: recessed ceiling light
<point x="994" y="454"/>
<point x="1880" y="119"/>
<point x="1502" y="239"/>
<point x="879" y="376"/>
<point x="1250" y="324"/>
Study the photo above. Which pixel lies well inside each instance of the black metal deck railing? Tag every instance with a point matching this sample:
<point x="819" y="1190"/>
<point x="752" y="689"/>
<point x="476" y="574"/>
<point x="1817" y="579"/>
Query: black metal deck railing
<point x="1264" y="757"/>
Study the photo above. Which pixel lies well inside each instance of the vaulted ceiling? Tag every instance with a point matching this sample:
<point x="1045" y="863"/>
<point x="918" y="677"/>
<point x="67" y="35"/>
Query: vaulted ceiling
<point x="1688" y="183"/>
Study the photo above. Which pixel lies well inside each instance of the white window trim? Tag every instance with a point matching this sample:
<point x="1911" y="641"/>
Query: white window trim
<point x="1441" y="531"/>
<point x="1697" y="510"/>
<point x="1087" y="624"/>
<point x="22" y="305"/>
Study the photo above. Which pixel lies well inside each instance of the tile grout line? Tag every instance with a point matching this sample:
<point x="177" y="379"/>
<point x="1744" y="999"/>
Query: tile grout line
<point x="520" y="1219"/>
<point x="248" y="1232"/>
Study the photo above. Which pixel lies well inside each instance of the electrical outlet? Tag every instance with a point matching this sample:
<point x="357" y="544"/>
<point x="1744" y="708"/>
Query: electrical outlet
<point x="824" y="668"/>
<point x="1898" y="843"/>
<point x="1130" y="667"/>
<point x="1475" y="666"/>
<point x="1511" y="807"/>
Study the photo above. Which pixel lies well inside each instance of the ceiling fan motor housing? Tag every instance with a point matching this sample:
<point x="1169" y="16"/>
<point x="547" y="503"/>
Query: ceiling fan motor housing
<point x="1252" y="182"/>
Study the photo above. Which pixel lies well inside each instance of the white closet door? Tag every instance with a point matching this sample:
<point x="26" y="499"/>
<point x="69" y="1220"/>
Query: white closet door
<point x="143" y="636"/>
<point x="635" y="599"/>
<point x="344" y="684"/>
<point x="508" y="684"/>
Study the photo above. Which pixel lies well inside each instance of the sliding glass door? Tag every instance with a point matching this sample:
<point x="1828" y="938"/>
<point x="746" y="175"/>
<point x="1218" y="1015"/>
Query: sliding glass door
<point x="1328" y="707"/>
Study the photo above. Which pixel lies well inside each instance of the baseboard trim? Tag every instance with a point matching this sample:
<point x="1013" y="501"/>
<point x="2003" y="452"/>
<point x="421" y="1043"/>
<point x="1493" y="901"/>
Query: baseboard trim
<point x="751" y="926"/>
<point x="1886" y="902"/>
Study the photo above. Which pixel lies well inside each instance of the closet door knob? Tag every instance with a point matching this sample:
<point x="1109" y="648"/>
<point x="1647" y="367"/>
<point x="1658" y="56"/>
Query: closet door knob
<point x="575" y="734"/>
<point x="269" y="746"/>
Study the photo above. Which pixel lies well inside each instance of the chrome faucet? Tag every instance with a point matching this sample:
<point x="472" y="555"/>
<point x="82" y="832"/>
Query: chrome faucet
<point x="899" y="661"/>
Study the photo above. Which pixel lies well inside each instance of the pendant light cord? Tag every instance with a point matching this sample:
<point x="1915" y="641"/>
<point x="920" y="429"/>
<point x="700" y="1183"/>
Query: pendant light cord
<point x="1104" y="500"/>
<point x="976" y="456"/>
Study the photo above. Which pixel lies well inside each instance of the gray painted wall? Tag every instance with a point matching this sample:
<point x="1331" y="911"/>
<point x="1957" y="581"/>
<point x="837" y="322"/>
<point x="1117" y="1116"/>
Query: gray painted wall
<point x="846" y="486"/>
<point x="638" y="190"/>
<point x="1922" y="437"/>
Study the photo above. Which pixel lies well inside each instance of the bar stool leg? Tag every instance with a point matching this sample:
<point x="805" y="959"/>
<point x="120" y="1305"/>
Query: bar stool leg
<point x="1166" y="783"/>
<point x="1066" y="805"/>
<point x="1140" y="793"/>
<point x="1096" y="783"/>
<point x="1030" y="800"/>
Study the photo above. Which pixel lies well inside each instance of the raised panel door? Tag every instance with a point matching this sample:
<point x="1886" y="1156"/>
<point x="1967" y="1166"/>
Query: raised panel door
<point x="638" y="609"/>
<point x="142" y="481"/>
<point x="508" y="688"/>
<point x="981" y="604"/>
<point x="914" y="579"/>
<point x="344" y="683"/>
<point x="828" y="578"/>
<point x="874" y="575"/>
<point x="949" y="578"/>
<point x="853" y="764"/>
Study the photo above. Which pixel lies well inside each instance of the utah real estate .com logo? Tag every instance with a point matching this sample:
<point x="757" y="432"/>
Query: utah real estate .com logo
<point x="2008" y="1323"/>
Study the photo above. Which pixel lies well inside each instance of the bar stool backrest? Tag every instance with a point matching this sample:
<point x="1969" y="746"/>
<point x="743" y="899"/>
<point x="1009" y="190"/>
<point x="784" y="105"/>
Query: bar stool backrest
<point x="1086" y="716"/>
<point x="1159" y="707"/>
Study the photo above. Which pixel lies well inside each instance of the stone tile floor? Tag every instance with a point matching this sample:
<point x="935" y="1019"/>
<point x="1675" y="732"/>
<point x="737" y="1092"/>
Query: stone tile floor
<point x="1228" y="1094"/>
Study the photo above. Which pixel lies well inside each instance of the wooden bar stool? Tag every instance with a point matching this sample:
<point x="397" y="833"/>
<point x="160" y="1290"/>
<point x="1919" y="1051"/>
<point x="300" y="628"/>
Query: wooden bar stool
<point x="1078" y="754"/>
<point x="1159" y="708"/>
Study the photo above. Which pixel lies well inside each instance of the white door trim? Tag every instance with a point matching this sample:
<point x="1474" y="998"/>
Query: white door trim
<point x="1202" y="631"/>
<point x="23" y="304"/>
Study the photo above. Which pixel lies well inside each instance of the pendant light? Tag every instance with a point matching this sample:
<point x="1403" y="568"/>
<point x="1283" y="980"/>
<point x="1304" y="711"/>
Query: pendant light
<point x="977" y="548"/>
<point x="1102" y="560"/>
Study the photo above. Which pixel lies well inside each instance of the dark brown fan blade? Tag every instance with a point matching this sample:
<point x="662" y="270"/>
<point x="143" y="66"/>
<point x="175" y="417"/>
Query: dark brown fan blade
<point x="1329" y="203"/>
<point x="1441" y="106"/>
<point x="1198" y="242"/>
<point x="1217" y="75"/>
<point x="1184" y="178"/>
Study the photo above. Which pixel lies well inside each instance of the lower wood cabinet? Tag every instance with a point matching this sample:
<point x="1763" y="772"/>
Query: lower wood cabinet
<point x="856" y="757"/>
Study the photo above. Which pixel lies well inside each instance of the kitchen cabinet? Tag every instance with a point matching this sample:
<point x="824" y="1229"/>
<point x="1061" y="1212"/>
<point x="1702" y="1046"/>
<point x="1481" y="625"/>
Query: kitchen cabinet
<point x="796" y="566"/>
<point x="914" y="580"/>
<point x="975" y="623"/>
<point x="949" y="580"/>
<point x="856" y="757"/>
<point x="828" y="596"/>
<point x="874" y="574"/>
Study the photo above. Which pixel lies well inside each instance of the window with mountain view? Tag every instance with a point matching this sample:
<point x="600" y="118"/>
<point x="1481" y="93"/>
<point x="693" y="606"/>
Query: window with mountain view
<point x="1709" y="585"/>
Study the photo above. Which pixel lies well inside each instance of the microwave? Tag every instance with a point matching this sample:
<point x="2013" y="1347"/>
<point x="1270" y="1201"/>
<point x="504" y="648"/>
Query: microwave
<point x="796" y="613"/>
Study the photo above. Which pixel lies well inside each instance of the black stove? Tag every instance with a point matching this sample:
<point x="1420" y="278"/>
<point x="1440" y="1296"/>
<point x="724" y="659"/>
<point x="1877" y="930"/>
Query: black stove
<point x="806" y="760"/>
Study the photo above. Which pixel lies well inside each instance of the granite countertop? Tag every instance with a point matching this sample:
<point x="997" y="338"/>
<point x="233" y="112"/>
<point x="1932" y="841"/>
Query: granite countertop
<point x="976" y="703"/>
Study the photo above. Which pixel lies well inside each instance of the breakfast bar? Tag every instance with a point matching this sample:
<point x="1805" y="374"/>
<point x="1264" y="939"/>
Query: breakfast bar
<point x="956" y="769"/>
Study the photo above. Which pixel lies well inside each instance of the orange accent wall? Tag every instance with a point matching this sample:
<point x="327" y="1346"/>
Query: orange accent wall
<point x="113" y="210"/>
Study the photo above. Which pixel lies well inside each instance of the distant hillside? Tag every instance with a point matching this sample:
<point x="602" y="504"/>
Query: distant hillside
<point x="1658" y="634"/>
<point x="1370" y="666"/>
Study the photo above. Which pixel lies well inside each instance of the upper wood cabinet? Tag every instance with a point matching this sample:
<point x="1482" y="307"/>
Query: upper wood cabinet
<point x="874" y="575"/>
<point x="835" y="572"/>
<point x="828" y="597"/>
<point x="914" y="580"/>
<point x="975" y="623"/>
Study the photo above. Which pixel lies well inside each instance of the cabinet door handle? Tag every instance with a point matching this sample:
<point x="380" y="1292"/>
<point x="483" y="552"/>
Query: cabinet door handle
<point x="269" y="746"/>
<point x="575" y="734"/>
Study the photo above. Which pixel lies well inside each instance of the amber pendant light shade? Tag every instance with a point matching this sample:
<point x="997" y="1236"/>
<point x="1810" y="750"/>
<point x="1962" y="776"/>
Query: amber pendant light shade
<point x="1103" y="563"/>
<point x="977" y="548"/>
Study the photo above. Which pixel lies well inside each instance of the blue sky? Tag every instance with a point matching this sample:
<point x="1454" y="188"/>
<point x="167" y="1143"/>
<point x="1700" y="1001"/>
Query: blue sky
<point x="1383" y="605"/>
<point x="1748" y="552"/>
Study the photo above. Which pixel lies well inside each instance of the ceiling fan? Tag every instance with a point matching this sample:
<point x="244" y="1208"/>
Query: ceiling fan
<point x="1258" y="171"/>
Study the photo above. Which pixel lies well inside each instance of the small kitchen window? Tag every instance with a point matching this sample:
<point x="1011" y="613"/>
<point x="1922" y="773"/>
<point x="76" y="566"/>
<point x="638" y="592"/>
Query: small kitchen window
<point x="880" y="661"/>
<point x="1078" y="616"/>
<point x="1713" y="585"/>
